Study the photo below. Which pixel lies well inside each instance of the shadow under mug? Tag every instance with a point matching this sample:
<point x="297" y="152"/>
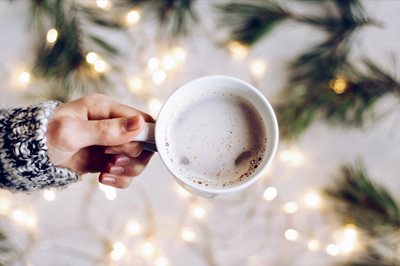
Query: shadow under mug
<point x="154" y="135"/>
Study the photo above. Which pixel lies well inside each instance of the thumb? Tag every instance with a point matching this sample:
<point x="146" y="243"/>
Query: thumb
<point x="110" y="132"/>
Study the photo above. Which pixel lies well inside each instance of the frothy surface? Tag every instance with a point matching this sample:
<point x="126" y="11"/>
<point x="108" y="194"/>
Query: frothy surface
<point x="217" y="141"/>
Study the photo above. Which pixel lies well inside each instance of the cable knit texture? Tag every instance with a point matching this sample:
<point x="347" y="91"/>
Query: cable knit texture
<point x="24" y="162"/>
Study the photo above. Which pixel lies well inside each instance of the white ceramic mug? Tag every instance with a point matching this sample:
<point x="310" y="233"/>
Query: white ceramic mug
<point x="154" y="134"/>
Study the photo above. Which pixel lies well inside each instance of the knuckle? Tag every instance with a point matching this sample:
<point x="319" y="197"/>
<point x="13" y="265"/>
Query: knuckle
<point x="93" y="99"/>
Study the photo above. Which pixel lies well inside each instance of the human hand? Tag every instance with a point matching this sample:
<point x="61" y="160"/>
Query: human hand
<point x="93" y="134"/>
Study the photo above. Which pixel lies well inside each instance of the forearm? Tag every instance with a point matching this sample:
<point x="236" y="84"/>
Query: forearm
<point x="24" y="162"/>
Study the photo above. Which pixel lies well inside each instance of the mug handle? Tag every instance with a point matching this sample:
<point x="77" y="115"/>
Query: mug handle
<point x="147" y="135"/>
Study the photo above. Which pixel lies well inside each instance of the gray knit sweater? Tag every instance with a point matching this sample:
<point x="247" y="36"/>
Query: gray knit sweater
<point x="24" y="162"/>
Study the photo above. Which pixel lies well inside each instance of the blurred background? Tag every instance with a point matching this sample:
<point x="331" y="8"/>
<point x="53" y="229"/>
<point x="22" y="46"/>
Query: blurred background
<point x="329" y="68"/>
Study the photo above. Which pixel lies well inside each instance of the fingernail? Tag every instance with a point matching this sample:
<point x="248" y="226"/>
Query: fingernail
<point x="133" y="123"/>
<point x="122" y="161"/>
<point x="108" y="180"/>
<point x="110" y="151"/>
<point x="117" y="170"/>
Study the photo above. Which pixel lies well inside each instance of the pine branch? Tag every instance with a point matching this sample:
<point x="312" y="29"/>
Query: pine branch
<point x="249" y="21"/>
<point x="366" y="204"/>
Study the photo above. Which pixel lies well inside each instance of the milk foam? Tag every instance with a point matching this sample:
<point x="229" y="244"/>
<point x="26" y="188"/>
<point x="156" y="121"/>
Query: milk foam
<point x="216" y="141"/>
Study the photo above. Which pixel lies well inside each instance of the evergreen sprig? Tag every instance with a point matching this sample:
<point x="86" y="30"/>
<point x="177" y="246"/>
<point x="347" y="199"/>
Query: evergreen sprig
<point x="370" y="207"/>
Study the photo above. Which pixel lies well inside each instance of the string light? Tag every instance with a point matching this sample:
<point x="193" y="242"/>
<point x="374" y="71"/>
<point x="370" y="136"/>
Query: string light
<point x="332" y="250"/>
<point x="49" y="195"/>
<point x="348" y="243"/>
<point x="312" y="200"/>
<point x="161" y="261"/>
<point x="168" y="62"/>
<point x="153" y="63"/>
<point x="188" y="235"/>
<point x="134" y="228"/>
<point x="118" y="251"/>
<point x="182" y="192"/>
<point x="313" y="245"/>
<point x="290" y="207"/>
<point x="338" y="85"/>
<point x="154" y="106"/>
<point x="291" y="235"/>
<point x="270" y="193"/>
<point x="292" y="156"/>
<point x="147" y="248"/>
<point x="199" y="212"/>
<point x="258" y="68"/>
<point x="5" y="205"/>
<point x="159" y="77"/>
<point x="24" y="77"/>
<point x="52" y="36"/>
<point x="101" y="66"/>
<point x="109" y="192"/>
<point x="179" y="54"/>
<point x="132" y="17"/>
<point x="104" y="4"/>
<point x="135" y="84"/>
<point x="91" y="57"/>
<point x="237" y="50"/>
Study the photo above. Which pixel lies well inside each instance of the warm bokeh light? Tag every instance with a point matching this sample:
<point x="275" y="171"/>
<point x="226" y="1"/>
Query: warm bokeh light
<point x="148" y="248"/>
<point x="292" y="156"/>
<point x="313" y="245"/>
<point x="179" y="54"/>
<point x="134" y="228"/>
<point x="338" y="85"/>
<point x="135" y="84"/>
<point x="198" y="212"/>
<point x="153" y="64"/>
<point x="291" y="235"/>
<point x="101" y="66"/>
<point x="109" y="192"/>
<point x="290" y="207"/>
<point x="349" y="239"/>
<point x="104" y="4"/>
<point x="49" y="195"/>
<point x="91" y="57"/>
<point x="258" y="68"/>
<point x="188" y="235"/>
<point x="332" y="250"/>
<point x="132" y="17"/>
<point x="312" y="200"/>
<point x="237" y="50"/>
<point x="159" y="77"/>
<point x="118" y="251"/>
<point x="52" y="36"/>
<point x="270" y="193"/>
<point x="24" y="77"/>
<point x="168" y="62"/>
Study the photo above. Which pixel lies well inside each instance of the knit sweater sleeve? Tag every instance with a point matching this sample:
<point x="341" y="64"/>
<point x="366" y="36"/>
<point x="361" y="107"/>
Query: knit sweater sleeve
<point x="24" y="161"/>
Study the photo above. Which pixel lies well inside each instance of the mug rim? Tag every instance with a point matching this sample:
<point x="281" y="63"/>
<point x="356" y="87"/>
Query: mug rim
<point x="211" y="190"/>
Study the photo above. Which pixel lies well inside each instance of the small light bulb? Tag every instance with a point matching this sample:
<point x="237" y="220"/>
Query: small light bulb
<point x="147" y="248"/>
<point x="104" y="4"/>
<point x="161" y="261"/>
<point x="24" y="77"/>
<point x="312" y="200"/>
<point x="91" y="57"/>
<point x="188" y="235"/>
<point x="134" y="228"/>
<point x="118" y="251"/>
<point x="135" y="84"/>
<point x="168" y="62"/>
<point x="153" y="63"/>
<point x="52" y="36"/>
<point x="291" y="235"/>
<point x="199" y="212"/>
<point x="159" y="77"/>
<point x="313" y="245"/>
<point x="270" y="193"/>
<point x="132" y="17"/>
<point x="258" y="68"/>
<point x="237" y="50"/>
<point x="179" y="54"/>
<point x="332" y="250"/>
<point x="100" y="66"/>
<point x="290" y="207"/>
<point x="338" y="85"/>
<point x="49" y="195"/>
